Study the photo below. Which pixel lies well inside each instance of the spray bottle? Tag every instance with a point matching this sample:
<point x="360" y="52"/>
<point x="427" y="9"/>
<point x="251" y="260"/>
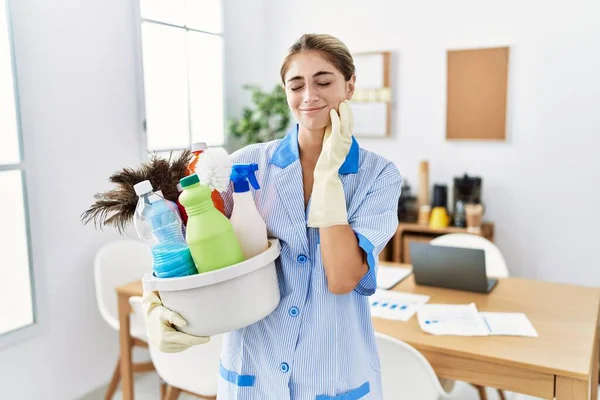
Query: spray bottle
<point x="249" y="226"/>
<point x="199" y="149"/>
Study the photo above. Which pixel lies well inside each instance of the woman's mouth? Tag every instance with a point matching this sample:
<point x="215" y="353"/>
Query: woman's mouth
<point x="311" y="110"/>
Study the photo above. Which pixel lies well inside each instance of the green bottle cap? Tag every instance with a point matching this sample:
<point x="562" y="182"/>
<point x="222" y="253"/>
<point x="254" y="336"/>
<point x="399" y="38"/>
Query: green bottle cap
<point x="189" y="181"/>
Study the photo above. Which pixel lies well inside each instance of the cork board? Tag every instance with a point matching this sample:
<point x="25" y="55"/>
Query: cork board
<point x="477" y="94"/>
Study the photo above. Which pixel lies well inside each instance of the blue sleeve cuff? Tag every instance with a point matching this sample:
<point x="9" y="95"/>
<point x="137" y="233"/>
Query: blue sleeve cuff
<point x="368" y="283"/>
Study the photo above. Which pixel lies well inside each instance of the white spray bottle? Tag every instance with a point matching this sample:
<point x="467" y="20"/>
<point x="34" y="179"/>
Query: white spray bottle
<point x="249" y="226"/>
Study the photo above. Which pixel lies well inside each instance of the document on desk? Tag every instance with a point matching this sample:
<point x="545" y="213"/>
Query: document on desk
<point x="388" y="277"/>
<point x="452" y="319"/>
<point x="395" y="305"/>
<point x="509" y="324"/>
<point x="465" y="320"/>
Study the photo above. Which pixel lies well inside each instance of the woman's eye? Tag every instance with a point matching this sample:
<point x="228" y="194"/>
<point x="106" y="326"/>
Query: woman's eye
<point x="324" y="84"/>
<point x="297" y="88"/>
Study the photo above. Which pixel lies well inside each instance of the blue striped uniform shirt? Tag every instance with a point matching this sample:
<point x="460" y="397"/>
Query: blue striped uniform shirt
<point x="315" y="345"/>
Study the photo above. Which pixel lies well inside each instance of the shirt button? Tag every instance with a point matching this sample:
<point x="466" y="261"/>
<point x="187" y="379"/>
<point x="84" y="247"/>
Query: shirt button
<point x="294" y="311"/>
<point x="302" y="258"/>
<point x="284" y="367"/>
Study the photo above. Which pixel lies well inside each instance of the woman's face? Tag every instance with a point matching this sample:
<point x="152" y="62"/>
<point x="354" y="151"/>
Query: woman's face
<point x="313" y="86"/>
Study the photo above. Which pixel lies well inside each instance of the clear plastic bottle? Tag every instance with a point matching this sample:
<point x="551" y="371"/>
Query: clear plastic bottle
<point x="158" y="224"/>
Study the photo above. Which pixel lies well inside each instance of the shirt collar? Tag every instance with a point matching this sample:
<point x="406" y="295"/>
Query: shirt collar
<point x="287" y="152"/>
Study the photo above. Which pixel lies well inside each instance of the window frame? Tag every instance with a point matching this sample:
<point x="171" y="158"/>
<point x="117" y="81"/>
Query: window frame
<point x="23" y="333"/>
<point x="141" y="98"/>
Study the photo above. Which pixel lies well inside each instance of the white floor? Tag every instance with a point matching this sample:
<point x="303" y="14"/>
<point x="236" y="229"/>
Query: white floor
<point x="147" y="388"/>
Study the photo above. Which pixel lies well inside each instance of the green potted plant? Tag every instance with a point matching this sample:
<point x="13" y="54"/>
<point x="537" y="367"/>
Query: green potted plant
<point x="267" y="119"/>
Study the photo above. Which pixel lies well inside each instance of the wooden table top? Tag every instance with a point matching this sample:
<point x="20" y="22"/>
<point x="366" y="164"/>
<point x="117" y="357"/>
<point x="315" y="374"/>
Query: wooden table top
<point x="565" y="317"/>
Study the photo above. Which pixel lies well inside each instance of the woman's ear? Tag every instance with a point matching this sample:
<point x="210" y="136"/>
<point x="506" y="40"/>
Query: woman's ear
<point x="350" y="86"/>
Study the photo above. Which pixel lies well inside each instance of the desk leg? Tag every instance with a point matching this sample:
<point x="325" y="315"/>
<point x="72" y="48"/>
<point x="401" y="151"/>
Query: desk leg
<point x="126" y="344"/>
<point x="571" y="389"/>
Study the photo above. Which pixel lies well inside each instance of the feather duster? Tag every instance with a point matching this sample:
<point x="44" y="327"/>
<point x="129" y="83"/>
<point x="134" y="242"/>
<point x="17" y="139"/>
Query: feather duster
<point x="116" y="207"/>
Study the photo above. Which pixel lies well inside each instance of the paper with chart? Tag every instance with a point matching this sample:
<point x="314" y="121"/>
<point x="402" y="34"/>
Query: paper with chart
<point x="452" y="319"/>
<point x="509" y="324"/>
<point x="395" y="305"/>
<point x="388" y="277"/>
<point x="466" y="320"/>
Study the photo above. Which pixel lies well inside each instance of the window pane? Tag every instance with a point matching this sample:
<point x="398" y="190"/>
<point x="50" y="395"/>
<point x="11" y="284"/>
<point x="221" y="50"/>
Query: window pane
<point x="204" y="15"/>
<point x="15" y="286"/>
<point x="9" y="139"/>
<point x="169" y="11"/>
<point x="165" y="87"/>
<point x="206" y="88"/>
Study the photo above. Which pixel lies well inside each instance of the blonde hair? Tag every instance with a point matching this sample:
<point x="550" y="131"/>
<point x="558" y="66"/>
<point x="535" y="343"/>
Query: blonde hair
<point x="330" y="47"/>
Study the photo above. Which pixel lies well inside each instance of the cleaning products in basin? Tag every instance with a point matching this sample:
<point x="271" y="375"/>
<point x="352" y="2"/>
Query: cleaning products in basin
<point x="158" y="224"/>
<point x="249" y="226"/>
<point x="209" y="234"/>
<point x="199" y="150"/>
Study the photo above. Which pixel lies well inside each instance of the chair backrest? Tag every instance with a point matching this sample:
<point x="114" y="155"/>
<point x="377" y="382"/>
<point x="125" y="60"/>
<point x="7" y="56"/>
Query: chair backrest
<point x="406" y="373"/>
<point x="495" y="265"/>
<point x="195" y="370"/>
<point x="118" y="263"/>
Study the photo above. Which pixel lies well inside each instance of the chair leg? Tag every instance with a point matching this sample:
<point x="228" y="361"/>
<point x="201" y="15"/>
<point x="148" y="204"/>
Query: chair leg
<point x="482" y="393"/>
<point x="114" y="381"/>
<point x="163" y="390"/>
<point x="173" y="393"/>
<point x="501" y="394"/>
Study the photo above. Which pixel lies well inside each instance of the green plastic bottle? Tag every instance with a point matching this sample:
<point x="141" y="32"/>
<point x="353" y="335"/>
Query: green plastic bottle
<point x="209" y="234"/>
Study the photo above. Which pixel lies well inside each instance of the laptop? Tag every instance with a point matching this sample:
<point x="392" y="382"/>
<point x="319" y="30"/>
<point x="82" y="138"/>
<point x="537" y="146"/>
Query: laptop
<point x="450" y="267"/>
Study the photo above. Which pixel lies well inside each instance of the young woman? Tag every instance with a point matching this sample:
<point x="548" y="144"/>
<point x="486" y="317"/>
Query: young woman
<point x="333" y="206"/>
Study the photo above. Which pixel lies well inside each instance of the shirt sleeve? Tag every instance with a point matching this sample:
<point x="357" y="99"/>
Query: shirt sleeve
<point x="375" y="222"/>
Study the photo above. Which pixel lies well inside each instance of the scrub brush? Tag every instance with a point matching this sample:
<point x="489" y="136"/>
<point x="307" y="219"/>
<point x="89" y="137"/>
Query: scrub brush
<point x="214" y="168"/>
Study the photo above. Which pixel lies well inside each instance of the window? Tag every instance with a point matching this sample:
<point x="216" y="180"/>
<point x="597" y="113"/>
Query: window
<point x="16" y="289"/>
<point x="182" y="64"/>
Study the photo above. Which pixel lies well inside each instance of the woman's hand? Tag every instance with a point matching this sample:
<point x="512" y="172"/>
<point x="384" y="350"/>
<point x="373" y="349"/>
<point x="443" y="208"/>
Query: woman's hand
<point x="328" y="203"/>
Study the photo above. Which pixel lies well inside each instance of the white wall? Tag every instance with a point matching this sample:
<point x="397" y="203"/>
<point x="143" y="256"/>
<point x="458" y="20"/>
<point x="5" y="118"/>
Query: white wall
<point x="541" y="185"/>
<point x="78" y="103"/>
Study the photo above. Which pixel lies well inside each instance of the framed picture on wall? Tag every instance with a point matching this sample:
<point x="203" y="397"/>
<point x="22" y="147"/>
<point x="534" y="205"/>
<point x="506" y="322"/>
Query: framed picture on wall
<point x="372" y="100"/>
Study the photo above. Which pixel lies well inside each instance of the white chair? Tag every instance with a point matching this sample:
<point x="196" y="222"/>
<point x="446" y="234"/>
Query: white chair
<point x="194" y="371"/>
<point x="406" y="373"/>
<point x="116" y="264"/>
<point x="495" y="265"/>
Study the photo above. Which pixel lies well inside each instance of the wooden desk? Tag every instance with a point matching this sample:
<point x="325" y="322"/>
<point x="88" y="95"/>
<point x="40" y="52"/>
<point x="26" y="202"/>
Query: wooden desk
<point x="562" y="362"/>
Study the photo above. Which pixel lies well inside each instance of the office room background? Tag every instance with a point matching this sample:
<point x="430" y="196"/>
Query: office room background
<point x="80" y="116"/>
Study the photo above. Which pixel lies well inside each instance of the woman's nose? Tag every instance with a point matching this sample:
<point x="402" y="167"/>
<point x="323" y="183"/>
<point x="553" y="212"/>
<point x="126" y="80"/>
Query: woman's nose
<point x="311" y="95"/>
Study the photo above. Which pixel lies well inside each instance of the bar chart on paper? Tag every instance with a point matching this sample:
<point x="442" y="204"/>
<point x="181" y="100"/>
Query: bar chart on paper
<point x="395" y="305"/>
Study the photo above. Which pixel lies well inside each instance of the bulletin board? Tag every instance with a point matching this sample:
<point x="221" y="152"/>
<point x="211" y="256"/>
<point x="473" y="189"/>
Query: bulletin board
<point x="477" y="94"/>
<point x="372" y="99"/>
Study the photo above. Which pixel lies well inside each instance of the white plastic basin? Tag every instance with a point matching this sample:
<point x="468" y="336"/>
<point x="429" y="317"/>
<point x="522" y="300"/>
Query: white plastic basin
<point x="223" y="300"/>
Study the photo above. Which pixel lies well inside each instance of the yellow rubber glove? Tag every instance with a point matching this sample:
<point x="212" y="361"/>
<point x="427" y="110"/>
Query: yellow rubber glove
<point x="328" y="203"/>
<point x="159" y="326"/>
